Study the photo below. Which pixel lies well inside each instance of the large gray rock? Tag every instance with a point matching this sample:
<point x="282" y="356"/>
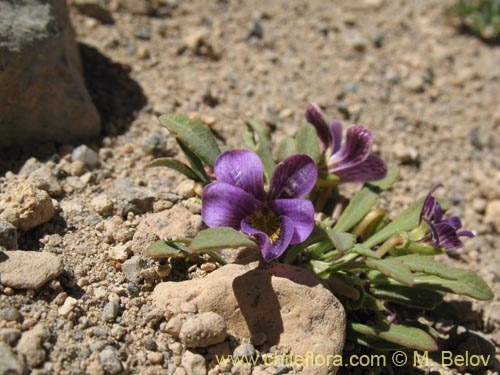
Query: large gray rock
<point x="287" y="304"/>
<point x="42" y="93"/>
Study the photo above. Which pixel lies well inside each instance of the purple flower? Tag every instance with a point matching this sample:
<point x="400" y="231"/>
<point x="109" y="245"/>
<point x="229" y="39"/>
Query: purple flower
<point x="352" y="160"/>
<point x="277" y="218"/>
<point x="444" y="233"/>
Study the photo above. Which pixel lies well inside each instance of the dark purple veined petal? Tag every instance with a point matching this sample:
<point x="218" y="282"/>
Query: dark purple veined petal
<point x="294" y="177"/>
<point x="357" y="148"/>
<point x="241" y="168"/>
<point x="300" y="211"/>
<point x="315" y="117"/>
<point x="336" y="132"/>
<point x="453" y="221"/>
<point x="272" y="250"/>
<point x="372" y="169"/>
<point x="448" y="238"/>
<point x="434" y="232"/>
<point x="466" y="233"/>
<point x="225" y="205"/>
<point x="429" y="207"/>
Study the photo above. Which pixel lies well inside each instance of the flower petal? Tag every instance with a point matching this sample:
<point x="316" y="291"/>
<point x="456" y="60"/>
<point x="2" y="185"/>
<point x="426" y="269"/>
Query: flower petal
<point x="294" y="177"/>
<point x="372" y="169"/>
<point x="241" y="168"/>
<point x="336" y="132"/>
<point x="273" y="250"/>
<point x="315" y="117"/>
<point x="448" y="238"/>
<point x="453" y="221"/>
<point x="357" y="148"/>
<point x="300" y="211"/>
<point x="225" y="205"/>
<point x="430" y="206"/>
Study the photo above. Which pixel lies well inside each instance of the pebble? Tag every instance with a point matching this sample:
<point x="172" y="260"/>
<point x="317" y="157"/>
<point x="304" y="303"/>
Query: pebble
<point x="155" y="358"/>
<point x="241" y="369"/>
<point x="132" y="268"/>
<point x="102" y="205"/>
<point x="118" y="332"/>
<point x="256" y="31"/>
<point x="203" y="330"/>
<point x="185" y="189"/>
<point x="479" y="205"/>
<point x="244" y="350"/>
<point x="174" y="326"/>
<point x="154" y="144"/>
<point x="44" y="179"/>
<point x="68" y="306"/>
<point x="208" y="267"/>
<point x="415" y="83"/>
<point x="30" y="345"/>
<point x="194" y="364"/>
<point x="77" y="168"/>
<point x="132" y="198"/>
<point x="111" y="310"/>
<point x="356" y="41"/>
<point x="10" y="314"/>
<point x="492" y="214"/>
<point x="9" y="363"/>
<point x="405" y="154"/>
<point x="150" y="344"/>
<point x="110" y="361"/>
<point x="9" y="336"/>
<point x="86" y="155"/>
<point x="29" y="269"/>
<point x="119" y="252"/>
<point x="143" y="33"/>
<point x="8" y="235"/>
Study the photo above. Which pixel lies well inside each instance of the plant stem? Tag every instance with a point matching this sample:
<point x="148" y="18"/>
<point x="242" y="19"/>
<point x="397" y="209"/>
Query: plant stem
<point x="367" y="221"/>
<point x="390" y="244"/>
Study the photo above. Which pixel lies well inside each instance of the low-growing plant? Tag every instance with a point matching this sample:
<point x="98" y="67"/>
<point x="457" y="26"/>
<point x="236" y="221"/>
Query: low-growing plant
<point x="482" y="17"/>
<point x="288" y="205"/>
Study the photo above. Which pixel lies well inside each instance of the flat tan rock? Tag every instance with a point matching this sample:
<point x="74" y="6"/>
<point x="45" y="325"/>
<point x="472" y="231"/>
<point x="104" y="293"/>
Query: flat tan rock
<point x="286" y="303"/>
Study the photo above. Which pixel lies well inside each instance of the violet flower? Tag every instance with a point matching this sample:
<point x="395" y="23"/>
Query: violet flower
<point x="277" y="218"/>
<point x="444" y="233"/>
<point x="352" y="160"/>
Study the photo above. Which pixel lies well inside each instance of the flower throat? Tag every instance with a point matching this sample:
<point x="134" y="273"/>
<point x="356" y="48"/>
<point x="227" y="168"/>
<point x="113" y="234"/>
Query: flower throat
<point x="267" y="221"/>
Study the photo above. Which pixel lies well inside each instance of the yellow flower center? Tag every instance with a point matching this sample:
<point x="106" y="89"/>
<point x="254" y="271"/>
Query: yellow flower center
<point x="268" y="222"/>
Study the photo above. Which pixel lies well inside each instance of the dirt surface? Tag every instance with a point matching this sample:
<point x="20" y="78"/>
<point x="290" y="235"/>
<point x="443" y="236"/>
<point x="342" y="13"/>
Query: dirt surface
<point x="428" y="94"/>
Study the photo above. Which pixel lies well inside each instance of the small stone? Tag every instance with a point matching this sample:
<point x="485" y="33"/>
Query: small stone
<point x="155" y="316"/>
<point x="194" y="364"/>
<point x="142" y="53"/>
<point x="150" y="344"/>
<point x="132" y="268"/>
<point x="111" y="310"/>
<point x="356" y="41"/>
<point x="492" y="214"/>
<point x="203" y="330"/>
<point x="155" y="358"/>
<point x="87" y="178"/>
<point x="143" y="33"/>
<point x="241" y="369"/>
<point x="77" y="168"/>
<point x="118" y="332"/>
<point x="132" y="198"/>
<point x="44" y="179"/>
<point x="8" y="235"/>
<point x="479" y="205"/>
<point x="244" y="350"/>
<point x="174" y="326"/>
<point x="208" y="267"/>
<point x="102" y="205"/>
<point x="86" y="155"/>
<point x="9" y="363"/>
<point x="175" y="348"/>
<point x="154" y="144"/>
<point x="60" y="298"/>
<point x="110" y="361"/>
<point x="31" y="165"/>
<point x="10" y="336"/>
<point x="120" y="252"/>
<point x="256" y="31"/>
<point x="10" y="314"/>
<point x="29" y="269"/>
<point x="30" y="345"/>
<point x="415" y="83"/>
<point x="185" y="189"/>
<point x="68" y="306"/>
<point x="95" y="9"/>
<point x="163" y="270"/>
<point x="405" y="154"/>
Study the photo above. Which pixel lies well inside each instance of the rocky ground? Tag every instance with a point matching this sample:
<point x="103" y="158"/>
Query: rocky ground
<point x="80" y="301"/>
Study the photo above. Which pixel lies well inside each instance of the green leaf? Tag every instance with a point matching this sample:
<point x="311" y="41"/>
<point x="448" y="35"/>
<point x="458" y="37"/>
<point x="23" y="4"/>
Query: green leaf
<point x="306" y="142"/>
<point x="195" y="162"/>
<point x="342" y="241"/>
<point x="363" y="201"/>
<point x="263" y="148"/>
<point x="393" y="267"/>
<point x="195" y="135"/>
<point x="417" y="297"/>
<point x="406" y="336"/>
<point x="175" y="165"/>
<point x="404" y="222"/>
<point x="286" y="148"/>
<point x="167" y="249"/>
<point x="427" y="264"/>
<point x="220" y="238"/>
<point x="373" y="342"/>
<point x="365" y="251"/>
<point x="466" y="283"/>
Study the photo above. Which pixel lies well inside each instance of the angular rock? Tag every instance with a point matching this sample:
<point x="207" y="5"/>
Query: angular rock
<point x="203" y="330"/>
<point x="194" y="364"/>
<point x="9" y="363"/>
<point x="86" y="155"/>
<point x="132" y="268"/>
<point x="25" y="206"/>
<point x="28" y="269"/>
<point x="30" y="345"/>
<point x="289" y="304"/>
<point x="46" y="100"/>
<point x="44" y="179"/>
<point x="8" y="235"/>
<point x="9" y="336"/>
<point x="132" y="198"/>
<point x="110" y="361"/>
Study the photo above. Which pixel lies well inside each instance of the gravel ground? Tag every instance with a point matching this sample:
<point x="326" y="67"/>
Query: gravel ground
<point x="428" y="94"/>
